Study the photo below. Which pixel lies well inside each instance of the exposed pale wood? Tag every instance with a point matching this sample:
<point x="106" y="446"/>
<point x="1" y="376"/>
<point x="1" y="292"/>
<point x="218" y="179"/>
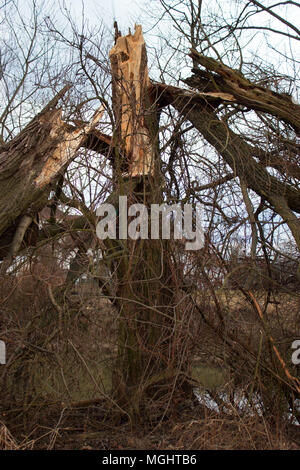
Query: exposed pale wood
<point x="70" y="141"/>
<point x="131" y="84"/>
<point x="23" y="225"/>
<point x="95" y="140"/>
<point x="220" y="95"/>
<point x="31" y="163"/>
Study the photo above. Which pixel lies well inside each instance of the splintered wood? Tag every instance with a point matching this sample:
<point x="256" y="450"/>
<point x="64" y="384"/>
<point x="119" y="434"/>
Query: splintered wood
<point x="69" y="143"/>
<point x="131" y="101"/>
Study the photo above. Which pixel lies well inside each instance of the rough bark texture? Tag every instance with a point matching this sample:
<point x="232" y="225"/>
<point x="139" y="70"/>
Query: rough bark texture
<point x="150" y="329"/>
<point x="237" y="153"/>
<point x="31" y="163"/>
<point x="221" y="78"/>
<point x="153" y="345"/>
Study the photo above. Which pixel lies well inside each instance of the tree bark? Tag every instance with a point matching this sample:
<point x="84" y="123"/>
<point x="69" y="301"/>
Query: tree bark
<point x="151" y="342"/>
<point x="30" y="165"/>
<point x="238" y="154"/>
<point x="218" y="77"/>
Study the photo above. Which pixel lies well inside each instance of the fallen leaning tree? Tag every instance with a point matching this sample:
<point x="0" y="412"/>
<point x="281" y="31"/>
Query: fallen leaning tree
<point x="30" y="166"/>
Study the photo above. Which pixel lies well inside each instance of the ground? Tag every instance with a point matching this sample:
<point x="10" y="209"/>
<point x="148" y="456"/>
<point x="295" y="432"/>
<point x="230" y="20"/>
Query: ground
<point x="56" y="388"/>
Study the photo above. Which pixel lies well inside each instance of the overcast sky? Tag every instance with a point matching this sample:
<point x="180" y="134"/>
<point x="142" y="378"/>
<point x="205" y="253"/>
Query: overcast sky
<point x="126" y="12"/>
<point x="129" y="12"/>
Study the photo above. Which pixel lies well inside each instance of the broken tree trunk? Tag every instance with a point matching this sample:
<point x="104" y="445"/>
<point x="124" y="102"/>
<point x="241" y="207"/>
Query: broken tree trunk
<point x="153" y="356"/>
<point x="30" y="165"/>
<point x="131" y="104"/>
<point x="220" y="78"/>
<point x="238" y="153"/>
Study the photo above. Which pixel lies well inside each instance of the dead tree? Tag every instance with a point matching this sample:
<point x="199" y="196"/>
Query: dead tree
<point x="154" y="316"/>
<point x="152" y="346"/>
<point x="30" y="165"/>
<point x="222" y="84"/>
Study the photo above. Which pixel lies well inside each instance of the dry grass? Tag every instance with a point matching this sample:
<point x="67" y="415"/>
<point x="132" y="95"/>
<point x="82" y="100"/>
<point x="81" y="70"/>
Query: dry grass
<point x="229" y="433"/>
<point x="8" y="442"/>
<point x="57" y="387"/>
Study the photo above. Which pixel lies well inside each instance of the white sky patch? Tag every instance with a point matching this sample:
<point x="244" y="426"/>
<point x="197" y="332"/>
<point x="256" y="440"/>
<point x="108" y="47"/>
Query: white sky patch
<point x="126" y="12"/>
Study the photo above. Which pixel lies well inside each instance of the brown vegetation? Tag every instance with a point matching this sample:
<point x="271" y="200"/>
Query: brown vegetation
<point x="126" y="343"/>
